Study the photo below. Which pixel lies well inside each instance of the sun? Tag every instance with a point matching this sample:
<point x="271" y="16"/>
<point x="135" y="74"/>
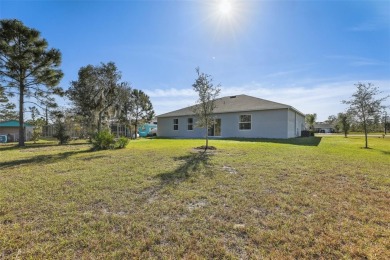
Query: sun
<point x="228" y="17"/>
<point x="225" y="7"/>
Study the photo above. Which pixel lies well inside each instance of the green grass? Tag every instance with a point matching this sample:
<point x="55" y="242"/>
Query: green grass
<point x="319" y="197"/>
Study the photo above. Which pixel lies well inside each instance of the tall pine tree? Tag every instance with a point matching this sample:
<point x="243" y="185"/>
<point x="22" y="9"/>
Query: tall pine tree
<point x="27" y="67"/>
<point x="141" y="108"/>
<point x="7" y="111"/>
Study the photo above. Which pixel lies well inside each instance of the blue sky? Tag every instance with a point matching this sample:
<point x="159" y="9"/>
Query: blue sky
<point x="307" y="54"/>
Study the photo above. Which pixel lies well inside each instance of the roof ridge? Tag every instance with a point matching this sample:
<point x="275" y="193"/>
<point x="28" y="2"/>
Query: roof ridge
<point x="234" y="103"/>
<point x="266" y="100"/>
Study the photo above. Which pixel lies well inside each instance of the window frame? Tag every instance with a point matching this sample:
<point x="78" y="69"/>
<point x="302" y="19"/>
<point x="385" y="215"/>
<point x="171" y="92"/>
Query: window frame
<point x="190" y="124"/>
<point x="176" y="124"/>
<point x="242" y="122"/>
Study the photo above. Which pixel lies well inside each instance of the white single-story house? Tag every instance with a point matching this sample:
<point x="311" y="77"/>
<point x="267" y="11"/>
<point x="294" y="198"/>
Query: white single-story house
<point x="324" y="128"/>
<point x="238" y="116"/>
<point x="11" y="130"/>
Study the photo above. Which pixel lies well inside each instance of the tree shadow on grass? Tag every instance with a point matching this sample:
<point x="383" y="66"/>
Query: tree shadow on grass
<point x="42" y="159"/>
<point x="14" y="146"/>
<point x="304" y="141"/>
<point x="384" y="151"/>
<point x="193" y="164"/>
<point x="8" y="147"/>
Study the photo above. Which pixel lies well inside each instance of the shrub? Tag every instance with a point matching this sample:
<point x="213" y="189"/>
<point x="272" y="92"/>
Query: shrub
<point x="35" y="136"/>
<point x="60" y="133"/>
<point x="305" y="133"/>
<point x="122" y="142"/>
<point x="103" y="140"/>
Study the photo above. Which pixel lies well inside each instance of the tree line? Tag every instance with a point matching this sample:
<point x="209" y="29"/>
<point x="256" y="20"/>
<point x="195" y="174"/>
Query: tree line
<point x="365" y="113"/>
<point x="30" y="70"/>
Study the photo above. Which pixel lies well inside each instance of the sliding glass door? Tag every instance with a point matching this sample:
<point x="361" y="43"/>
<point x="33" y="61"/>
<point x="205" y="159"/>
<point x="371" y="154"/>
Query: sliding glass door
<point x="215" y="130"/>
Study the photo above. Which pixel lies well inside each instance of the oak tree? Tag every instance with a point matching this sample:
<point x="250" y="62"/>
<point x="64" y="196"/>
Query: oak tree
<point x="364" y="106"/>
<point x="95" y="92"/>
<point x="311" y="120"/>
<point x="204" y="109"/>
<point x="344" y="121"/>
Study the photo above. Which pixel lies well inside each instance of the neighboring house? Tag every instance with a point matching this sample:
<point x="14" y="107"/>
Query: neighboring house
<point x="11" y="129"/>
<point x="324" y="128"/>
<point x="119" y="130"/>
<point x="238" y="116"/>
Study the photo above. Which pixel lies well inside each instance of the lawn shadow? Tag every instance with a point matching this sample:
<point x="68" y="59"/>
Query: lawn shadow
<point x="39" y="159"/>
<point x="8" y="147"/>
<point x="385" y="152"/>
<point x="192" y="164"/>
<point x="304" y="141"/>
<point x="14" y="146"/>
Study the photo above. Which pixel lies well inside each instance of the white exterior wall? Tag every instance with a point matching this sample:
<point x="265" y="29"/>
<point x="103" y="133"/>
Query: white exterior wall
<point x="14" y="132"/>
<point x="165" y="128"/>
<point x="265" y="124"/>
<point x="296" y="123"/>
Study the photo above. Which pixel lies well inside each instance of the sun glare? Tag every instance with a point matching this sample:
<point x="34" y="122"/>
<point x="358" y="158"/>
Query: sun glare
<point x="225" y="7"/>
<point x="228" y="17"/>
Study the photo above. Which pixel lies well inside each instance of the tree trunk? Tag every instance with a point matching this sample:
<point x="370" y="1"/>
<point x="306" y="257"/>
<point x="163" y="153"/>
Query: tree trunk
<point x="365" y="129"/>
<point x="365" y="133"/>
<point x="136" y="127"/>
<point x="207" y="136"/>
<point x="99" y="127"/>
<point x="45" y="131"/>
<point x="21" y="116"/>
<point x="46" y="116"/>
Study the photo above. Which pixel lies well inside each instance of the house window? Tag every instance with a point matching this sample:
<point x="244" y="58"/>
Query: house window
<point x="190" y="124"/>
<point x="245" y="122"/>
<point x="175" y="124"/>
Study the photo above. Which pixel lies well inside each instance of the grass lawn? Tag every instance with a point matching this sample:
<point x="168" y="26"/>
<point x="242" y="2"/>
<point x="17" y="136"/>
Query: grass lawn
<point x="319" y="197"/>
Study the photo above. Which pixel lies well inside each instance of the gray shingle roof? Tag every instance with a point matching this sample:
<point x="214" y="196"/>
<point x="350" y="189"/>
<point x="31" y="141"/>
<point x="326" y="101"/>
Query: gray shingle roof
<point x="239" y="103"/>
